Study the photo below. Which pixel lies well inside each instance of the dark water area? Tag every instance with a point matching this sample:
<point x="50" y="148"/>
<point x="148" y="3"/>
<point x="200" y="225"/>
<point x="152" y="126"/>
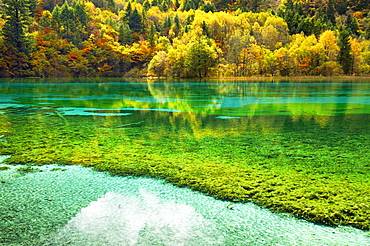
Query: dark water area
<point x="297" y="147"/>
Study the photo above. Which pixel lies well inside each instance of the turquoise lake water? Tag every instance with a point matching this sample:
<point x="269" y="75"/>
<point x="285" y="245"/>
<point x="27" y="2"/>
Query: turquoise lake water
<point x="285" y="124"/>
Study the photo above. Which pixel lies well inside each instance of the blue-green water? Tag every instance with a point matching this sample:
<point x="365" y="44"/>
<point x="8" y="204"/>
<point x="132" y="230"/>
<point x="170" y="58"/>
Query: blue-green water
<point x="140" y="211"/>
<point x="222" y="98"/>
<point x="296" y="147"/>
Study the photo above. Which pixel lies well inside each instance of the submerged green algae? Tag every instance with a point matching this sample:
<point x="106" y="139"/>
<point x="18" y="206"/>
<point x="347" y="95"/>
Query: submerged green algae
<point x="315" y="167"/>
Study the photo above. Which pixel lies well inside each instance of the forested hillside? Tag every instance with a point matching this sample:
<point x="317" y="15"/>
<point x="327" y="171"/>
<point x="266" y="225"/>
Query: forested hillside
<point x="184" y="38"/>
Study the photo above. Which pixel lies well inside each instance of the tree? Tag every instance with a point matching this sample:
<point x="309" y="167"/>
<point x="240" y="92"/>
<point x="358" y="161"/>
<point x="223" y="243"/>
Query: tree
<point x="17" y="16"/>
<point x="352" y="25"/>
<point x="205" y="28"/>
<point x="283" y="62"/>
<point x="201" y="57"/>
<point x="136" y="22"/>
<point x="71" y="21"/>
<point x="330" y="11"/>
<point x="293" y="15"/>
<point x="16" y="46"/>
<point x="50" y="4"/>
<point x="344" y="56"/>
<point x="152" y="34"/>
<point x="167" y="25"/>
<point x="328" y="41"/>
<point x="158" y="66"/>
<point x="356" y="55"/>
<point x="274" y="33"/>
<point x="49" y="58"/>
<point x="209" y="7"/>
<point x="124" y="34"/>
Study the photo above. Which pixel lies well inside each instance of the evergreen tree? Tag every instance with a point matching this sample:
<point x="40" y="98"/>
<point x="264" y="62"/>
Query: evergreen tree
<point x="71" y="21"/>
<point x="167" y="25"/>
<point x="209" y="7"/>
<point x="255" y="5"/>
<point x="176" y="21"/>
<point x="80" y="12"/>
<point x="55" y="17"/>
<point x="177" y="4"/>
<point x="124" y="34"/>
<point x="128" y="11"/>
<point x="151" y="34"/>
<point x="330" y="11"/>
<point x="294" y="16"/>
<point x="344" y="56"/>
<point x="164" y="6"/>
<point x="17" y="16"/>
<point x="67" y="20"/>
<point x="206" y="30"/>
<point x="352" y="25"/>
<point x="189" y="4"/>
<point x="136" y="22"/>
<point x="146" y="5"/>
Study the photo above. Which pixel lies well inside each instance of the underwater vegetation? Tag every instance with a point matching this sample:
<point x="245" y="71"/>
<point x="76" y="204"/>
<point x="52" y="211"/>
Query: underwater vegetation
<point x="314" y="168"/>
<point x="28" y="170"/>
<point x="2" y="168"/>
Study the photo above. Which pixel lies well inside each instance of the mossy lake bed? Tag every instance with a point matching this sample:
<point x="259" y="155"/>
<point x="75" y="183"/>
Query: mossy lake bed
<point x="298" y="149"/>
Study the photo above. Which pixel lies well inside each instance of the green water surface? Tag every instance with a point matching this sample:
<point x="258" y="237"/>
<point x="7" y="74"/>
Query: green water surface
<point x="296" y="147"/>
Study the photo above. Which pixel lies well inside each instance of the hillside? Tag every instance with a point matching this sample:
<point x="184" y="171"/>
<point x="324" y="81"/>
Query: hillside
<point x="184" y="38"/>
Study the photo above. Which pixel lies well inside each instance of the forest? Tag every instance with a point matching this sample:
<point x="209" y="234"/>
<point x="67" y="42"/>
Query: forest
<point x="184" y="38"/>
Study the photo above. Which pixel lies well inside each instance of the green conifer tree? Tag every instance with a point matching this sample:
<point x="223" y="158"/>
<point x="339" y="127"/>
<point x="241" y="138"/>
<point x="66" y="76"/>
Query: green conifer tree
<point x="352" y="25"/>
<point x="176" y="21"/>
<point x="136" y="22"/>
<point x="344" y="56"/>
<point x="146" y="5"/>
<point x="17" y="19"/>
<point x="330" y="11"/>
<point x="128" y="12"/>
<point x="206" y="29"/>
<point x="124" y="34"/>
<point x="151" y="34"/>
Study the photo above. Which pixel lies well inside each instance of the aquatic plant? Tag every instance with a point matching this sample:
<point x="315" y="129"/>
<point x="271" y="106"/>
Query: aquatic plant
<point x="2" y="168"/>
<point x="310" y="170"/>
<point x="28" y="169"/>
<point x="58" y="169"/>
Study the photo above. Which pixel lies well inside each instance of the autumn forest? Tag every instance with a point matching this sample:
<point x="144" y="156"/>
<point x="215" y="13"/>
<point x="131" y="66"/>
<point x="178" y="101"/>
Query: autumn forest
<point x="184" y="38"/>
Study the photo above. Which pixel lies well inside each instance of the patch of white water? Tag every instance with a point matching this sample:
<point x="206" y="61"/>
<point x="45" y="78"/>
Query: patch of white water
<point x="117" y="219"/>
<point x="94" y="208"/>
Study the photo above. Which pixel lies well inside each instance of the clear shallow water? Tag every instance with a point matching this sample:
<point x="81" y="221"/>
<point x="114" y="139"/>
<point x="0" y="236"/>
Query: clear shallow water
<point x="225" y="98"/>
<point x="93" y="208"/>
<point x="318" y="127"/>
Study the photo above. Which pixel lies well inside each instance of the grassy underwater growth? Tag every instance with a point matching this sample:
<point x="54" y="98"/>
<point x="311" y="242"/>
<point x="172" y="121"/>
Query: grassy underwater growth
<point x="314" y="167"/>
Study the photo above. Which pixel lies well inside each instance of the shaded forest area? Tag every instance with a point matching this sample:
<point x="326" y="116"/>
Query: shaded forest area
<point x="184" y="38"/>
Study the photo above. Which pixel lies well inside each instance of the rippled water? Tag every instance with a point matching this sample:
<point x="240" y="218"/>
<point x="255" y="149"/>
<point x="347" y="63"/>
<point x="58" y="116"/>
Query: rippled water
<point x="93" y="208"/>
<point x="319" y="127"/>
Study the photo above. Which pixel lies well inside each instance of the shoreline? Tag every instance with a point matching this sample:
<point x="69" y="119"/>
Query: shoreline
<point x="252" y="78"/>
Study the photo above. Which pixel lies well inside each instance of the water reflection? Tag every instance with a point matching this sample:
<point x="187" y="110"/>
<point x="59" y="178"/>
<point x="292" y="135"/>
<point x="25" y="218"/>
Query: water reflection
<point x="201" y="107"/>
<point x="226" y="99"/>
<point x="224" y="139"/>
<point x="198" y="108"/>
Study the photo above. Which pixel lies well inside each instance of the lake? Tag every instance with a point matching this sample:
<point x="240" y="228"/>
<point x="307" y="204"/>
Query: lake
<point x="179" y="162"/>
